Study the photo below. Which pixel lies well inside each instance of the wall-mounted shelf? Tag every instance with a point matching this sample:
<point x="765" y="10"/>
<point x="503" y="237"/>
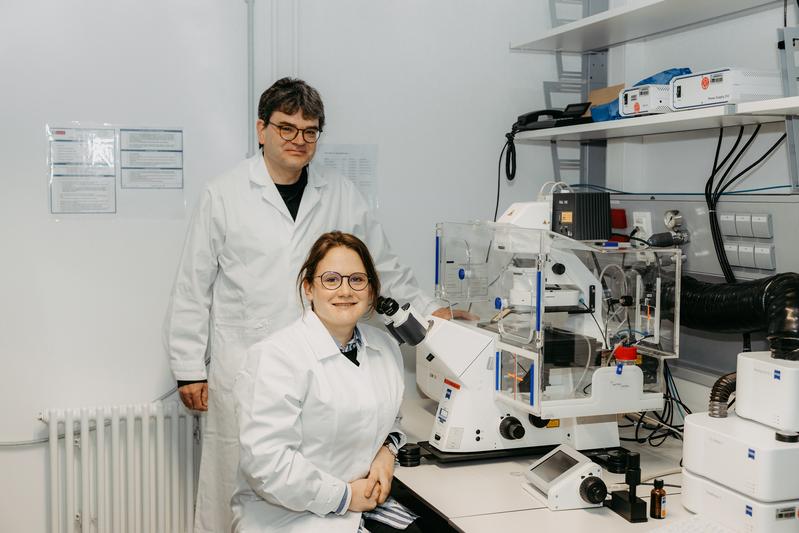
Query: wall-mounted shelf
<point x="761" y="112"/>
<point x="643" y="19"/>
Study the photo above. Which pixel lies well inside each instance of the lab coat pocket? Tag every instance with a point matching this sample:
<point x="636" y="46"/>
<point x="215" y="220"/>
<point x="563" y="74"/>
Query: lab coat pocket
<point x="231" y="340"/>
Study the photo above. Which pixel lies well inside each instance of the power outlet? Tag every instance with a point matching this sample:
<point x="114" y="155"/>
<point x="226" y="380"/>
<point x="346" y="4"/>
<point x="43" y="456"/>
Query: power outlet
<point x="643" y="221"/>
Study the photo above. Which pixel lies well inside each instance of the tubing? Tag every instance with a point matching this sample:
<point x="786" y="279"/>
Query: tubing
<point x="769" y="304"/>
<point x="720" y="395"/>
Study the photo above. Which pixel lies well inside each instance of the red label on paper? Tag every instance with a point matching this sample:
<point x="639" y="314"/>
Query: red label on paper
<point x="705" y="82"/>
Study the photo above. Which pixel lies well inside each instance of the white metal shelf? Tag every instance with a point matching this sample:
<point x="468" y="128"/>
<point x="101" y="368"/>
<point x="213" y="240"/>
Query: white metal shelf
<point x="642" y="19"/>
<point x="761" y="112"/>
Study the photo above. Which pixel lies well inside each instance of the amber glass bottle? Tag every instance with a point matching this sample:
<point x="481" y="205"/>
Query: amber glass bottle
<point x="657" y="501"/>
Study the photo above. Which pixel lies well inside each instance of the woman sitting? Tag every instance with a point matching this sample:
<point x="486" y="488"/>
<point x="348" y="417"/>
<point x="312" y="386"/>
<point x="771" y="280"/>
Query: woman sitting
<point x="317" y="405"/>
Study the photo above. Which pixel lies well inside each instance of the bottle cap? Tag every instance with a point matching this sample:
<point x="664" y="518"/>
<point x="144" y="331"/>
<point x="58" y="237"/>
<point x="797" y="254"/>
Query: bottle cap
<point x="658" y="483"/>
<point x="626" y="353"/>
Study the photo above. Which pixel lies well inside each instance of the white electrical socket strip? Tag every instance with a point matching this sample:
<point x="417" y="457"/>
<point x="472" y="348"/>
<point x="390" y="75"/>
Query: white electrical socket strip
<point x="643" y="221"/>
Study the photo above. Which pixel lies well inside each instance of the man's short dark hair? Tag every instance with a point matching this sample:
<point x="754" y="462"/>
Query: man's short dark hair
<point x="288" y="95"/>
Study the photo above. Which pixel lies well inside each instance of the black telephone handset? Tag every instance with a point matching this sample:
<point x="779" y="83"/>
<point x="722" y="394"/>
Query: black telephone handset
<point x="533" y="121"/>
<point x="533" y="117"/>
<point x="547" y="118"/>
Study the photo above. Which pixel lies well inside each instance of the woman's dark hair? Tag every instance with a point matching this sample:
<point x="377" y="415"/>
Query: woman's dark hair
<point x="288" y="95"/>
<point x="335" y="239"/>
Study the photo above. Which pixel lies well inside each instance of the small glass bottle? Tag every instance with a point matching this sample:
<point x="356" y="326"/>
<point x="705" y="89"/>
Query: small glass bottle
<point x="657" y="501"/>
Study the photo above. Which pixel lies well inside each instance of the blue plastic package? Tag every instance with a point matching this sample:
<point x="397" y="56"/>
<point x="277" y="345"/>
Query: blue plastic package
<point x="610" y="111"/>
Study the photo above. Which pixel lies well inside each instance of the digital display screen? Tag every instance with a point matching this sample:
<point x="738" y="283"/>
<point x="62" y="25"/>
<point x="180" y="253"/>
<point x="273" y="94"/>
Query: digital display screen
<point x="557" y="464"/>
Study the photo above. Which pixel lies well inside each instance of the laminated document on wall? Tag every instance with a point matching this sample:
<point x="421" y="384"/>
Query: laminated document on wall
<point x="82" y="163"/>
<point x="151" y="158"/>
<point x="110" y="169"/>
<point x="358" y="162"/>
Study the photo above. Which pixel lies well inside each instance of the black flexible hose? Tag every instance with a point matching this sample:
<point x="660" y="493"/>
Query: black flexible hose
<point x="720" y="395"/>
<point x="769" y="304"/>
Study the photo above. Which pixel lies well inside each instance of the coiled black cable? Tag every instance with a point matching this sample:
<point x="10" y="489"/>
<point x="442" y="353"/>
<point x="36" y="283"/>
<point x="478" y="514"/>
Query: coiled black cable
<point x="509" y="151"/>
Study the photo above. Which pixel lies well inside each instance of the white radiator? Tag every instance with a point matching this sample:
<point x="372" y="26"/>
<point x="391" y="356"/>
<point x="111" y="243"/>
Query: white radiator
<point x="122" y="469"/>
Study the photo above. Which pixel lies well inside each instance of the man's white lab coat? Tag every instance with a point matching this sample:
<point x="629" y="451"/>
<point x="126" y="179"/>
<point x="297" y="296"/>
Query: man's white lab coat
<point x="236" y="283"/>
<point x="310" y="422"/>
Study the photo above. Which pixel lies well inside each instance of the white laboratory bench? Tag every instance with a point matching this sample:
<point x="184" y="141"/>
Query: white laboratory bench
<point x="477" y="497"/>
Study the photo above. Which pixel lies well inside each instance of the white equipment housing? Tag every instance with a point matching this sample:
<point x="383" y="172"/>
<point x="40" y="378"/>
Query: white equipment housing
<point x="723" y="86"/>
<point x="535" y="371"/>
<point x="767" y="390"/>
<point x="645" y="100"/>
<point x="556" y="479"/>
<point x="736" y="511"/>
<point x="739" y="453"/>
<point x="735" y="470"/>
<point x="468" y="419"/>
<point x="529" y="214"/>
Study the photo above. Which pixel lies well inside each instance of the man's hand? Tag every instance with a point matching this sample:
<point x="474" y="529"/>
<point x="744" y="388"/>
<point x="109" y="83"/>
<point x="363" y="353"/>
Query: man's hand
<point x="444" y="312"/>
<point x="359" y="501"/>
<point x="380" y="475"/>
<point x="195" y="396"/>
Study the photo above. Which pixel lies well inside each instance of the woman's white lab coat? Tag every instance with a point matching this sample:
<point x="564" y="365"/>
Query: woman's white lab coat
<point x="310" y="422"/>
<point x="236" y="283"/>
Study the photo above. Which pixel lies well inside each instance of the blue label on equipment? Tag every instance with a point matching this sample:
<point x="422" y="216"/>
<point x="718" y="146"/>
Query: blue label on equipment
<point x="751" y="453"/>
<point x="777" y="374"/>
<point x="748" y="510"/>
<point x="437" y="245"/>
<point x="496" y="372"/>
<point x="619" y="368"/>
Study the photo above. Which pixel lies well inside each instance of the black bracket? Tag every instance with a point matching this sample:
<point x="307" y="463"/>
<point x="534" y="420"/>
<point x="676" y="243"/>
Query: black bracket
<point x="591" y="302"/>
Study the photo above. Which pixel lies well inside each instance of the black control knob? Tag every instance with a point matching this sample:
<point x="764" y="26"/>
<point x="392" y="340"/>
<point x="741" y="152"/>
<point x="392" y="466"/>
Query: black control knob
<point x="511" y="429"/>
<point x="537" y="421"/>
<point x="558" y="268"/>
<point x="593" y="490"/>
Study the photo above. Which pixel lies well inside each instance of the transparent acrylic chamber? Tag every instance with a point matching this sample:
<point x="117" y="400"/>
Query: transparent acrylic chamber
<point x="561" y="309"/>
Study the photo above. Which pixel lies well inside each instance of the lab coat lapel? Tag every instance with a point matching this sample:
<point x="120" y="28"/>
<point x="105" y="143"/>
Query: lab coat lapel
<point x="320" y="340"/>
<point x="312" y="194"/>
<point x="260" y="176"/>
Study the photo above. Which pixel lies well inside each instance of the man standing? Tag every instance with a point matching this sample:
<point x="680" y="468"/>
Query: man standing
<point x="236" y="282"/>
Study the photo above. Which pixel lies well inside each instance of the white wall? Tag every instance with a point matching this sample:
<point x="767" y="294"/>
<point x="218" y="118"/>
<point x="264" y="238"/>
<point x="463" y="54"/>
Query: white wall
<point x="432" y="83"/>
<point x="678" y="163"/>
<point x="83" y="296"/>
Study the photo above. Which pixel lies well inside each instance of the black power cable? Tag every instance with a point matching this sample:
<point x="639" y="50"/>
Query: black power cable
<point x="510" y="163"/>
<point x="717" y="196"/>
<point x="713" y="196"/>
<point x="499" y="179"/>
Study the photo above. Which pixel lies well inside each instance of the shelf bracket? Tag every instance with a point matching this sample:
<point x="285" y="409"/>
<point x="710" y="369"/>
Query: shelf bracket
<point x="790" y="75"/>
<point x="592" y="75"/>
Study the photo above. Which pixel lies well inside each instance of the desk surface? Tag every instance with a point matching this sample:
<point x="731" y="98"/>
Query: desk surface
<point x="488" y="495"/>
<point x="598" y="520"/>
